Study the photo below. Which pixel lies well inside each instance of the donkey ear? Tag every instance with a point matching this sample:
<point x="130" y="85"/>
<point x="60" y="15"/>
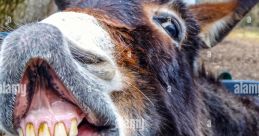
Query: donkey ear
<point x="218" y="19"/>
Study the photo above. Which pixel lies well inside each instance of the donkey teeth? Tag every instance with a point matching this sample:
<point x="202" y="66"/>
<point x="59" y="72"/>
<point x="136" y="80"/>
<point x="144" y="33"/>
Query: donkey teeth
<point x="60" y="129"/>
<point x="20" y="132"/>
<point x="73" y="129"/>
<point x="44" y="130"/>
<point x="30" y="130"/>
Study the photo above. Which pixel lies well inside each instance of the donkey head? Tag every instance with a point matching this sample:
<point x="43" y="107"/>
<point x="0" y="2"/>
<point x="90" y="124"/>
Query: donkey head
<point x="110" y="67"/>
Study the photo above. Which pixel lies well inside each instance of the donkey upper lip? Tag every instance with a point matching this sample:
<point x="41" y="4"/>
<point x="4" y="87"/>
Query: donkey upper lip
<point x="37" y="72"/>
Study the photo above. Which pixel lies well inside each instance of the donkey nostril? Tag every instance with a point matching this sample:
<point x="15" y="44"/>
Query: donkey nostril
<point x="103" y="70"/>
<point x="96" y="64"/>
<point x="86" y="57"/>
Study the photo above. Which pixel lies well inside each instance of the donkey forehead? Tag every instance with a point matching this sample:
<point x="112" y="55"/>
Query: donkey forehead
<point x="129" y="12"/>
<point x="123" y="10"/>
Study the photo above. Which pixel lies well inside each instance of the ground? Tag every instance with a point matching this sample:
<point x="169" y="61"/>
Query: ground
<point x="237" y="54"/>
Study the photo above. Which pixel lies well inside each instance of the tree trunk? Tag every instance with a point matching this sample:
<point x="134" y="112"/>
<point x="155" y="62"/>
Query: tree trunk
<point x="17" y="12"/>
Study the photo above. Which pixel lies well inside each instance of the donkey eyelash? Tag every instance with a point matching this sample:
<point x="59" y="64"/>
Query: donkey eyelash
<point x="170" y="25"/>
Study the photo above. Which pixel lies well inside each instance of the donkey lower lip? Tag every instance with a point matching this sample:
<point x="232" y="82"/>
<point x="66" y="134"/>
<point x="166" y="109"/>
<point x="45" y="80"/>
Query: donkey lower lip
<point x="46" y="101"/>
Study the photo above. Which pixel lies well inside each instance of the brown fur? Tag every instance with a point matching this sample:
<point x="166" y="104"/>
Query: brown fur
<point x="151" y="64"/>
<point x="214" y="12"/>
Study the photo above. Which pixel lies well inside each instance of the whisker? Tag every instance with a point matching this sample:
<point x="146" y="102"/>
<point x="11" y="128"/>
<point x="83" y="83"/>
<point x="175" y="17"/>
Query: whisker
<point x="139" y="91"/>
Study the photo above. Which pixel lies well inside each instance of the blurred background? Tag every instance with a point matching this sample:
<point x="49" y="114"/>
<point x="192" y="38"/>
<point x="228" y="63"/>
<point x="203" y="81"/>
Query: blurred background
<point x="237" y="54"/>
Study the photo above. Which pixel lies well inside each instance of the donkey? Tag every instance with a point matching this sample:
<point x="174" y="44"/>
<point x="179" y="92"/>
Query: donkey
<point x="122" y="68"/>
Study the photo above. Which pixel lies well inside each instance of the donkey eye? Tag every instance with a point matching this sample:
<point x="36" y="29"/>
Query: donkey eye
<point x="170" y="25"/>
<point x="171" y="29"/>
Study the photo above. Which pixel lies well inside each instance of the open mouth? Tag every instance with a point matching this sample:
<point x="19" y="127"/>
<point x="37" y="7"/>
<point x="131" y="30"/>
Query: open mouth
<point x="47" y="108"/>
